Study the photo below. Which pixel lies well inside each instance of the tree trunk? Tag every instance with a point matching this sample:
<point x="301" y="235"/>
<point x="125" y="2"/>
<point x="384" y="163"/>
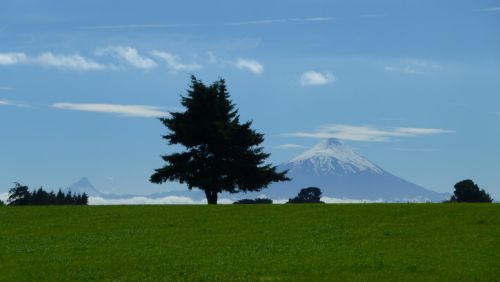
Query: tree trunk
<point x="211" y="197"/>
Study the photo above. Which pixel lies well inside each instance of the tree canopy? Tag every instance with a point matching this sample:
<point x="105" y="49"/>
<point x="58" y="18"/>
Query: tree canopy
<point x="467" y="191"/>
<point x="307" y="195"/>
<point x="221" y="153"/>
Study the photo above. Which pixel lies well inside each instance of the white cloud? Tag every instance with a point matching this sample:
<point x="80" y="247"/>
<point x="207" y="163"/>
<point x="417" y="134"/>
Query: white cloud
<point x="129" y="55"/>
<point x="13" y="58"/>
<point x="74" y="62"/>
<point x="367" y="133"/>
<point x="174" y="62"/>
<point x="123" y="110"/>
<point x="6" y="88"/>
<point x="170" y="200"/>
<point x="412" y="66"/>
<point x="249" y="64"/>
<point x="313" y="78"/>
<point x="289" y="146"/>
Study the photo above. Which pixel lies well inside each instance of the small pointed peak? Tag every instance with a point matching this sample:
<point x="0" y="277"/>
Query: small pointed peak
<point x="84" y="179"/>
<point x="83" y="182"/>
<point x="332" y="141"/>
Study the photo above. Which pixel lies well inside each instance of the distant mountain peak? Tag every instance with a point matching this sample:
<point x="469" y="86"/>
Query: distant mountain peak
<point x="83" y="186"/>
<point x="332" y="156"/>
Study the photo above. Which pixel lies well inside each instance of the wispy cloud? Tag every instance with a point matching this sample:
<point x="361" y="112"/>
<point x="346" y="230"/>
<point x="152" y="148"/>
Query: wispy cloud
<point x="12" y="103"/>
<point x="281" y="20"/>
<point x="314" y="78"/>
<point x="174" y="62"/>
<point x="412" y="66"/>
<point x="317" y="19"/>
<point x="129" y="56"/>
<point x="368" y="133"/>
<point x="491" y="9"/>
<point x="72" y="61"/>
<point x="141" y="26"/>
<point x="184" y="25"/>
<point x="423" y="150"/>
<point x="289" y="146"/>
<point x="122" y="110"/>
<point x="249" y="64"/>
<point x="6" y="88"/>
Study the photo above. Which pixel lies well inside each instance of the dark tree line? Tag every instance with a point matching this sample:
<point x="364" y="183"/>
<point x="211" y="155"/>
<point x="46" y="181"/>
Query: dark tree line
<point x="254" y="201"/>
<point x="20" y="195"/>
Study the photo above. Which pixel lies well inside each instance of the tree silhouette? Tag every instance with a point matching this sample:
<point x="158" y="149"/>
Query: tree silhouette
<point x="19" y="195"/>
<point x="307" y="195"/>
<point x="2" y="203"/>
<point x="221" y="153"/>
<point x="467" y="191"/>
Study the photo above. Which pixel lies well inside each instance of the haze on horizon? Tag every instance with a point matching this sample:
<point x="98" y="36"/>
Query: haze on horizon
<point x="412" y="85"/>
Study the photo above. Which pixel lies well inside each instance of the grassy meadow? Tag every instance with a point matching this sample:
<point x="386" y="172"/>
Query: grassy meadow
<point x="362" y="242"/>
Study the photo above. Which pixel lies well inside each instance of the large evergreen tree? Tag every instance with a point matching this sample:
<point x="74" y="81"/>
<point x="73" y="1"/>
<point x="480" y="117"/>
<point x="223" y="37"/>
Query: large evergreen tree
<point x="221" y="153"/>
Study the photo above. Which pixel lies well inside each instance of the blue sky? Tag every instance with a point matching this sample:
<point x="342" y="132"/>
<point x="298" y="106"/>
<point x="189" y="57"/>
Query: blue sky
<point x="412" y="85"/>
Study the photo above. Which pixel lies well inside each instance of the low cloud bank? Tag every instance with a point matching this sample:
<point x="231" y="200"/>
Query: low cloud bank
<point x="4" y="197"/>
<point x="170" y="200"/>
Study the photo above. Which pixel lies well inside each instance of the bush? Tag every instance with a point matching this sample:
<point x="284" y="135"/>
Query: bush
<point x="2" y="203"/>
<point x="467" y="191"/>
<point x="254" y="201"/>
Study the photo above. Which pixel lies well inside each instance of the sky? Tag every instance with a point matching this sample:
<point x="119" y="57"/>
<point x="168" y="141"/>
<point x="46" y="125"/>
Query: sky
<point x="411" y="85"/>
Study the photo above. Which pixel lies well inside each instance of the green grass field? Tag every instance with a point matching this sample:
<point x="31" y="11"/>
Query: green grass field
<point x="365" y="242"/>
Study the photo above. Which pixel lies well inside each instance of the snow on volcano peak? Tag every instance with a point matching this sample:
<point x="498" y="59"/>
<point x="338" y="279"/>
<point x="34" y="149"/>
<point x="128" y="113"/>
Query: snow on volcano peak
<point x="332" y="156"/>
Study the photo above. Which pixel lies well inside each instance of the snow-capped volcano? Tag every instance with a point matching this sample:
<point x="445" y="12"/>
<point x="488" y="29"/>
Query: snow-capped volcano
<point x="342" y="173"/>
<point x="331" y="156"/>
